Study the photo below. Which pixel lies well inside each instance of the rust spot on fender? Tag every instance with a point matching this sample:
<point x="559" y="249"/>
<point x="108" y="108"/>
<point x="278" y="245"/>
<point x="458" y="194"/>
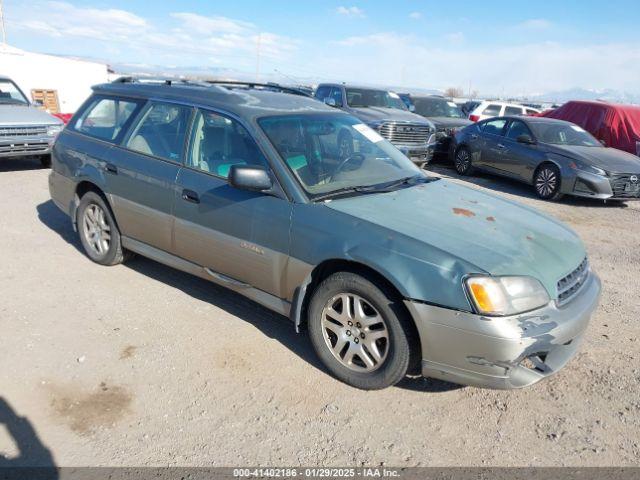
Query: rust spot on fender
<point x="464" y="212"/>
<point x="491" y="219"/>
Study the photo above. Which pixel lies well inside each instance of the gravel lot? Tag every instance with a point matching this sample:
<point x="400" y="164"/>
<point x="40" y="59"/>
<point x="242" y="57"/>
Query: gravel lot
<point x="142" y="365"/>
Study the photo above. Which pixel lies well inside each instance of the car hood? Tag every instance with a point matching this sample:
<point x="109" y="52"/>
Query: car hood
<point x="609" y="159"/>
<point x="377" y="114"/>
<point x="11" y="115"/>
<point x="448" y="122"/>
<point x="496" y="235"/>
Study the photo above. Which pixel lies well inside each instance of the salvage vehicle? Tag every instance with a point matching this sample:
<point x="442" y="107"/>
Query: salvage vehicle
<point x="616" y="126"/>
<point x="490" y="109"/>
<point x="391" y="271"/>
<point x="384" y="112"/>
<point x="444" y="114"/>
<point x="25" y="130"/>
<point x="554" y="156"/>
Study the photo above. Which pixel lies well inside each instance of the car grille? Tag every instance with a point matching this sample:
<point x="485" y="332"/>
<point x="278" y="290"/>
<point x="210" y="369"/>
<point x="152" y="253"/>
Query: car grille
<point x="406" y="133"/>
<point x="22" y="131"/>
<point x="570" y="285"/>
<point x="620" y="181"/>
<point x="35" y="147"/>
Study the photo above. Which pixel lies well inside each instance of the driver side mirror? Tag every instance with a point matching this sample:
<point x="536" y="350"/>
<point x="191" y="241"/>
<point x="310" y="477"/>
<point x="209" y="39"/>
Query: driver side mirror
<point x="250" y="177"/>
<point x="412" y="108"/>
<point x="525" y="139"/>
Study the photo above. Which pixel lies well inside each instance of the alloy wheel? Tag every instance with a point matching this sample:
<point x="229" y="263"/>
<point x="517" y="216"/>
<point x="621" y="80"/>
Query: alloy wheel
<point x="96" y="230"/>
<point x="355" y="332"/>
<point x="546" y="182"/>
<point x="462" y="160"/>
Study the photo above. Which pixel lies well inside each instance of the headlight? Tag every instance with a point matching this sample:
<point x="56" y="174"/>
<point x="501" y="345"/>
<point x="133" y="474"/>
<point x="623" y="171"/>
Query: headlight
<point x="53" y="130"/>
<point x="506" y="295"/>
<point x="585" y="167"/>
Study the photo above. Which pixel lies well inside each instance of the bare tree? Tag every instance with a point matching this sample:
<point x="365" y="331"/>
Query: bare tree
<point x="453" y="92"/>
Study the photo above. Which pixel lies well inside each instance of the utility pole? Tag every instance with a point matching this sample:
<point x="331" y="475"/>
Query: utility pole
<point x="4" y="32"/>
<point x="258" y="42"/>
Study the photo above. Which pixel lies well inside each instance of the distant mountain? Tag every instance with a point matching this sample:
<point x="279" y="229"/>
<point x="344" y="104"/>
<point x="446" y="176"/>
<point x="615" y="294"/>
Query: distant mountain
<point x="578" y="93"/>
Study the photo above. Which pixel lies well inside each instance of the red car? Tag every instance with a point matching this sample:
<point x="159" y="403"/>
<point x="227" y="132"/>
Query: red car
<point x="616" y="126"/>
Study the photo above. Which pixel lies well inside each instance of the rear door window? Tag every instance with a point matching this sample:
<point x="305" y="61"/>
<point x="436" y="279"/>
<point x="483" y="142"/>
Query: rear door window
<point x="494" y="127"/>
<point x="161" y="131"/>
<point x="513" y="111"/>
<point x="218" y="143"/>
<point x="106" y="118"/>
<point x="492" y="110"/>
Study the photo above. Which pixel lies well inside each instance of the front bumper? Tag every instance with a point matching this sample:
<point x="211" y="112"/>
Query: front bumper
<point x="25" y="146"/>
<point x="502" y="352"/>
<point x="418" y="154"/>
<point x="590" y="185"/>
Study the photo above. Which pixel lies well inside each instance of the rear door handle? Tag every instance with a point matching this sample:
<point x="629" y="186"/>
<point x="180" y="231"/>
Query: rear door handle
<point x="190" y="196"/>
<point x="111" y="168"/>
<point x="474" y="137"/>
<point x="501" y="146"/>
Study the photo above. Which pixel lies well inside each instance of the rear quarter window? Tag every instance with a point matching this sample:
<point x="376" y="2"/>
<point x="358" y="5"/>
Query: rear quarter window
<point x="106" y="118"/>
<point x="492" y="110"/>
<point x="513" y="111"/>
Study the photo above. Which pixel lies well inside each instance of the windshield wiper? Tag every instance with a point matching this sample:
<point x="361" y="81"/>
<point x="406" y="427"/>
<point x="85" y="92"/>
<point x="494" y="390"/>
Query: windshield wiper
<point x="379" y="188"/>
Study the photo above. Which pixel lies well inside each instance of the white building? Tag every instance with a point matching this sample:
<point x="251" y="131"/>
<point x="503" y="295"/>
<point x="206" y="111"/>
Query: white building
<point x="61" y="84"/>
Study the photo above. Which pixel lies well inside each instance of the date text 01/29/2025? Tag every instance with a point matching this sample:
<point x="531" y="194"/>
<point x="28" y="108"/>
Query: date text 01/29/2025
<point x="364" y="472"/>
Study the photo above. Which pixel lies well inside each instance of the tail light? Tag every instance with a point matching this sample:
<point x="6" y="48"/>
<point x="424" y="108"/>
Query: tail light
<point x="474" y="118"/>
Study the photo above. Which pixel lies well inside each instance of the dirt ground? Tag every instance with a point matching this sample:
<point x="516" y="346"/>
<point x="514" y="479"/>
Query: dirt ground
<point x="139" y="364"/>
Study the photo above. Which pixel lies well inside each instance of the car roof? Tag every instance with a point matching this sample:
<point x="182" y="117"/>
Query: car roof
<point x="526" y="119"/>
<point x="353" y="85"/>
<point x="243" y="102"/>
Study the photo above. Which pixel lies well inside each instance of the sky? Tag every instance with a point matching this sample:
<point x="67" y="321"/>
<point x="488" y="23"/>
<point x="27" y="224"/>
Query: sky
<point x="517" y="48"/>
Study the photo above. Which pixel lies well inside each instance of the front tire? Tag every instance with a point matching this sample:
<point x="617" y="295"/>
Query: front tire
<point x="462" y="161"/>
<point x="547" y="182"/>
<point x="98" y="231"/>
<point x="359" y="332"/>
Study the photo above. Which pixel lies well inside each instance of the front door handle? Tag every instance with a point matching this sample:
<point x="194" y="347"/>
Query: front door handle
<point x="190" y="196"/>
<point x="501" y="146"/>
<point x="474" y="137"/>
<point x="111" y="168"/>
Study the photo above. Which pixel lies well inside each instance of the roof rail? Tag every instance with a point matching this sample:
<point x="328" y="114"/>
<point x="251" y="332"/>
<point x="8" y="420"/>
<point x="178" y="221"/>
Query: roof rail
<point x="270" y="86"/>
<point x="159" y="80"/>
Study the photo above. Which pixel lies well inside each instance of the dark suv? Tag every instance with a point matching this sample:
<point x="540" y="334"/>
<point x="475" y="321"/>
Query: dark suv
<point x="444" y="114"/>
<point x="390" y="270"/>
<point x="386" y="113"/>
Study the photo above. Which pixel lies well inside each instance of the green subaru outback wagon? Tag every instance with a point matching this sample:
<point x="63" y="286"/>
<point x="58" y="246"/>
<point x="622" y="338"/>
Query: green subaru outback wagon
<point x="391" y="271"/>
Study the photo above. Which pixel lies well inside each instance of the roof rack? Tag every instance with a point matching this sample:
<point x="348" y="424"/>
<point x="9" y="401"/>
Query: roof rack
<point x="269" y="86"/>
<point x="159" y="80"/>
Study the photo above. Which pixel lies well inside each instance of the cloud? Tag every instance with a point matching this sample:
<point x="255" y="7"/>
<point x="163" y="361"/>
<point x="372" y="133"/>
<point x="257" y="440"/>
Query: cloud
<point x="549" y="66"/>
<point x="187" y="37"/>
<point x="350" y="11"/>
<point x="455" y="38"/>
<point x="212" y="25"/>
<point x="535" y="24"/>
<point x="415" y="15"/>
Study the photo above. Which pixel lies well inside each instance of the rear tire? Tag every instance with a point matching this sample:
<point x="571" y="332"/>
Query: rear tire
<point x="547" y="182"/>
<point x="360" y="333"/>
<point x="462" y="161"/>
<point x="98" y="231"/>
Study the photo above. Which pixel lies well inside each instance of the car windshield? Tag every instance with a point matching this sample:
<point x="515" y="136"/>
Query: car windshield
<point x="437" y="107"/>
<point x="333" y="152"/>
<point x="364" y="97"/>
<point x="563" y="134"/>
<point x="9" y="93"/>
